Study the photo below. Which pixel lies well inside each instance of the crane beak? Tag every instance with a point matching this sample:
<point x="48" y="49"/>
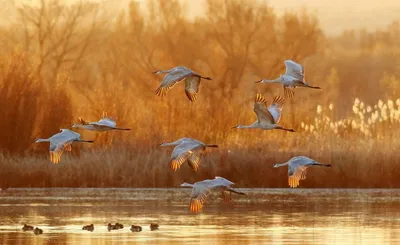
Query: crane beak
<point x="259" y="81"/>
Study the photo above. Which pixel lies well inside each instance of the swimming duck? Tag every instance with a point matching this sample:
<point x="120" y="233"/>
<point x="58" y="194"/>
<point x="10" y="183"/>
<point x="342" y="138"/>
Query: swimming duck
<point x="136" y="228"/>
<point x="119" y="226"/>
<point x="153" y="227"/>
<point x="37" y="231"/>
<point x="111" y="227"/>
<point x="27" y="227"/>
<point x="88" y="227"/>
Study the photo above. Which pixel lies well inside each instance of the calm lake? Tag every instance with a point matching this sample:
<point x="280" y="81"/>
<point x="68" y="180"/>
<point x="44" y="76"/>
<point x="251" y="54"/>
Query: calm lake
<point x="264" y="216"/>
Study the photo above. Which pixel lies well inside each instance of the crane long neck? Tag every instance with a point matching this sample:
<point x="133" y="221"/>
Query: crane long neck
<point x="245" y="126"/>
<point x="186" y="185"/>
<point x="171" y="143"/>
<point x="42" y="140"/>
<point x="278" y="80"/>
<point x="281" y="164"/>
<point x="254" y="125"/>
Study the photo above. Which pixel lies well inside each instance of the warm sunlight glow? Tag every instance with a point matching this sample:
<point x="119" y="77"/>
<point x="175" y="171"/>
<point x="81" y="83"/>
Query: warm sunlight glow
<point x="201" y="121"/>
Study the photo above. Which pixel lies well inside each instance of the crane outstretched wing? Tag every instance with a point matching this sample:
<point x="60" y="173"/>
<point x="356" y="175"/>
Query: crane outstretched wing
<point x="182" y="152"/>
<point x="105" y="121"/>
<point x="276" y="107"/>
<point x="55" y="155"/>
<point x="56" y="150"/>
<point x="201" y="190"/>
<point x="296" y="174"/>
<point x="199" y="195"/>
<point x="295" y="70"/>
<point x="68" y="147"/>
<point x="83" y="121"/>
<point x="297" y="170"/>
<point x="171" y="79"/>
<point x="192" y="84"/>
<point x="60" y="142"/>
<point x="261" y="109"/>
<point x="195" y="157"/>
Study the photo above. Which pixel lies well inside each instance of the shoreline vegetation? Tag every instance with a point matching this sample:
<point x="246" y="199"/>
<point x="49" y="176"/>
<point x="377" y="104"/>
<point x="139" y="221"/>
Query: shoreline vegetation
<point x="60" y="62"/>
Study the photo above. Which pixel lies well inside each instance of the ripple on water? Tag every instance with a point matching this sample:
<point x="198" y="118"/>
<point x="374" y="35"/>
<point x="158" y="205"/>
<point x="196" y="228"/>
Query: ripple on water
<point x="284" y="216"/>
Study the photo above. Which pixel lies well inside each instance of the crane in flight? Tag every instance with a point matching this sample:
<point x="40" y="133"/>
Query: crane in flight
<point x="297" y="168"/>
<point x="293" y="77"/>
<point x="104" y="124"/>
<point x="177" y="74"/>
<point x="202" y="189"/>
<point x="267" y="116"/>
<point x="186" y="149"/>
<point x="60" y="142"/>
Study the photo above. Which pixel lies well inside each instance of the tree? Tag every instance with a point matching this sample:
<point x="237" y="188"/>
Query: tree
<point x="58" y="36"/>
<point x="243" y="36"/>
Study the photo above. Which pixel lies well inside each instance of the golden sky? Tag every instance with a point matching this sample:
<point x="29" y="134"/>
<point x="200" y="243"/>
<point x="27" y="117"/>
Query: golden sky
<point x="334" y="15"/>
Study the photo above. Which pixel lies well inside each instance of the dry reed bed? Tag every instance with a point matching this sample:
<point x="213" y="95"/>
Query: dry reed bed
<point x="357" y="162"/>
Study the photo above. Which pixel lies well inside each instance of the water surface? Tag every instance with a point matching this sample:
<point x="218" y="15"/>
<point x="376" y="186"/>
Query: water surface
<point x="264" y="216"/>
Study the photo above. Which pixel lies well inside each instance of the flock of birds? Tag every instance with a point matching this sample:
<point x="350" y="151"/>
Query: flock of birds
<point x="116" y="226"/>
<point x="191" y="150"/>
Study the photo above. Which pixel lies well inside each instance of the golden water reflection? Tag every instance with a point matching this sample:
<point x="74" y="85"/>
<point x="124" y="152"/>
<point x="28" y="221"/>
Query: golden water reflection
<point x="264" y="216"/>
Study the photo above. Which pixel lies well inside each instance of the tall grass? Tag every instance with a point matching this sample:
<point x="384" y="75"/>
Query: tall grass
<point x="113" y="73"/>
<point x="28" y="109"/>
